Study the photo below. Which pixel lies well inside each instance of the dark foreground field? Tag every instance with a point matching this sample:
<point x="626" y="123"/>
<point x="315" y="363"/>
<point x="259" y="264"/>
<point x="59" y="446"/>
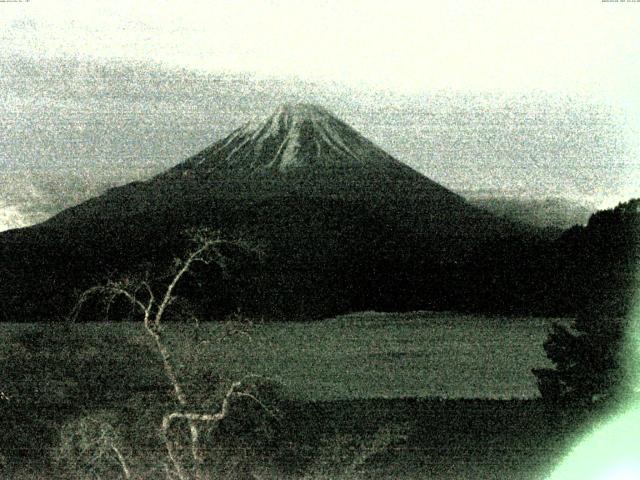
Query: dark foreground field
<point x="382" y="439"/>
<point x="435" y="439"/>
<point x="328" y="383"/>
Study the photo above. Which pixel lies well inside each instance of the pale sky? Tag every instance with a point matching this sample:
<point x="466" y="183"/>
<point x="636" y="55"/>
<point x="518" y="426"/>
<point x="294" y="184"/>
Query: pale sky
<point x="584" y="49"/>
<point x="559" y="45"/>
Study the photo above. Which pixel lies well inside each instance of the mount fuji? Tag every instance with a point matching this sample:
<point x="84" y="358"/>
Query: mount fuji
<point x="300" y="151"/>
<point x="345" y="226"/>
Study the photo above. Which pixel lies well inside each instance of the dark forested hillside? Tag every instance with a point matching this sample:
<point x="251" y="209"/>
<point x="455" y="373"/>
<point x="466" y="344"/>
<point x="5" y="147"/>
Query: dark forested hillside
<point x="586" y="266"/>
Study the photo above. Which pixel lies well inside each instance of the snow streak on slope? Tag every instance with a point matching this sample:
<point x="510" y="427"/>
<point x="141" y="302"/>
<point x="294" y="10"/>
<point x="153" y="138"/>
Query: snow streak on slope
<point x="295" y="136"/>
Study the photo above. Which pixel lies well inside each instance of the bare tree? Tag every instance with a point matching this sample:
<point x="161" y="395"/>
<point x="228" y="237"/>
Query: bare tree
<point x="153" y="307"/>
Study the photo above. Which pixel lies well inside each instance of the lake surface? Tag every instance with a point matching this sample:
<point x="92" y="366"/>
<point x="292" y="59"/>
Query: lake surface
<point x="357" y="356"/>
<point x="368" y="355"/>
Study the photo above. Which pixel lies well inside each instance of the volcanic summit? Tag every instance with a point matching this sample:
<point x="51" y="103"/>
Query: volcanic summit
<point x="295" y="136"/>
<point x="344" y="224"/>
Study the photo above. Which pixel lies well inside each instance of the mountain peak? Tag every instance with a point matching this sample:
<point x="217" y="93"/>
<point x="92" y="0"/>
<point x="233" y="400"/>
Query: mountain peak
<point x="303" y="111"/>
<point x="294" y="117"/>
<point x="296" y="136"/>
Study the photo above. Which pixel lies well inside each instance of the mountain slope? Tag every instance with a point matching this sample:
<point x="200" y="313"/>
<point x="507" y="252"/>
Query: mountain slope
<point x="299" y="150"/>
<point x="345" y="225"/>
